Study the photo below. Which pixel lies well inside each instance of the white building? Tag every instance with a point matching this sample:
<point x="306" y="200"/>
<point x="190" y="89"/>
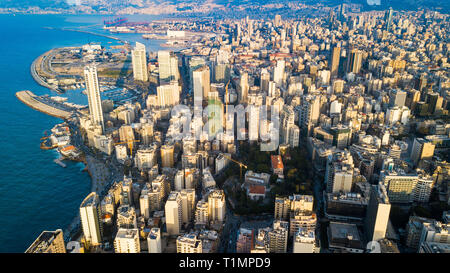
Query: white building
<point x="305" y="241"/>
<point x="139" y="60"/>
<point x="93" y="94"/>
<point x="90" y="214"/>
<point x="127" y="241"/>
<point x="217" y="206"/>
<point x="154" y="241"/>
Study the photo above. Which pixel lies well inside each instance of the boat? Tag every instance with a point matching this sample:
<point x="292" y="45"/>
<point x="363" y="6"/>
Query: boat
<point x="59" y="162"/>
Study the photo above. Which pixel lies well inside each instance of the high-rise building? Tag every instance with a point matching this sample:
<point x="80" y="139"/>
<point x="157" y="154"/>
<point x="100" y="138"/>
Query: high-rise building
<point x="168" y="66"/>
<point x="305" y="241"/>
<point x="189" y="243"/>
<point x="309" y="112"/>
<point x="174" y="213"/>
<point x="244" y="243"/>
<point x="278" y="237"/>
<point x="217" y="206"/>
<point x="397" y="98"/>
<point x="154" y="241"/>
<point x="243" y="87"/>
<point x="146" y="158"/>
<point x="167" y="156"/>
<point x="354" y="61"/>
<point x="435" y="232"/>
<point x="202" y="213"/>
<point x="389" y="14"/>
<point x="139" y="60"/>
<point x="187" y="204"/>
<point x="201" y="84"/>
<point x="253" y="122"/>
<point x="48" y="242"/>
<point x="335" y="58"/>
<point x="422" y="149"/>
<point x="264" y="80"/>
<point x="93" y="94"/>
<point x="282" y="208"/>
<point x="377" y="215"/>
<point x="278" y="72"/>
<point x="414" y="230"/>
<point x="144" y="201"/>
<point x="168" y="94"/>
<point x="90" y="214"/>
<point x="126" y="217"/>
<point x="339" y="172"/>
<point x="127" y="241"/>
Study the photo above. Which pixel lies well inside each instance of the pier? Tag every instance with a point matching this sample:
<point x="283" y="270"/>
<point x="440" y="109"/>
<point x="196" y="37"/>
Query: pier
<point x="44" y="105"/>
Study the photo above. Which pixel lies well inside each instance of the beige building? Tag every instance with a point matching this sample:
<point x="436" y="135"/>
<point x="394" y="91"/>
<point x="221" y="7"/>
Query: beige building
<point x="127" y="241"/>
<point x="139" y="60"/>
<point x="90" y="214"/>
<point x="278" y="237"/>
<point x="422" y="150"/>
<point x="377" y="215"/>
<point x="305" y="241"/>
<point x="217" y="206"/>
<point x="167" y="153"/>
<point x="174" y="213"/>
<point x="189" y="243"/>
<point x="48" y="242"/>
<point x="201" y="84"/>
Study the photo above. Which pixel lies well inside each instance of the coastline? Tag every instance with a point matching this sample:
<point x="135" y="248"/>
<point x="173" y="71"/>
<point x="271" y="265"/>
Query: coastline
<point x="97" y="172"/>
<point x="101" y="174"/>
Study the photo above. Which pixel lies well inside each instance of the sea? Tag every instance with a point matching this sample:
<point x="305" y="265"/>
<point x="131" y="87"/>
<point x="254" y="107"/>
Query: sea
<point x="35" y="193"/>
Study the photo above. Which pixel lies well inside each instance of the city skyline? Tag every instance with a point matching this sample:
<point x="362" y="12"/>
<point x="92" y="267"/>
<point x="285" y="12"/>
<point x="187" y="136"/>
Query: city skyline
<point x="255" y="135"/>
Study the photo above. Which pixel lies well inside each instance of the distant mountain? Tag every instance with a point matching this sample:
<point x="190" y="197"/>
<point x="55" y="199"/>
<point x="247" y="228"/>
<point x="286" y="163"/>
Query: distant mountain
<point x="173" y="6"/>
<point x="43" y="4"/>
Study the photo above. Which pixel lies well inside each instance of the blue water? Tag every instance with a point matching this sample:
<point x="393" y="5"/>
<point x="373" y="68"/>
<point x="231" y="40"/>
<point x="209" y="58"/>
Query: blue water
<point x="35" y="193"/>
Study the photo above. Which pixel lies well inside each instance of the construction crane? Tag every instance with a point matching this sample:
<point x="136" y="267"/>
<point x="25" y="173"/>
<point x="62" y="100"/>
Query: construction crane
<point x="130" y="144"/>
<point x="237" y="162"/>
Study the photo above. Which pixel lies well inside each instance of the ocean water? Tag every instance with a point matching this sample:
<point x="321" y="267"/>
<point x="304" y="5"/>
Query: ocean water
<point x="35" y="193"/>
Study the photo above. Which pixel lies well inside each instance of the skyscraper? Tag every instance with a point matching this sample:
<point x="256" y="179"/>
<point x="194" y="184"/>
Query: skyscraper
<point x="336" y="55"/>
<point x="139" y="60"/>
<point x="243" y="87"/>
<point x="168" y="66"/>
<point x="174" y="212"/>
<point x="278" y="72"/>
<point x="389" y="18"/>
<point x="264" y="80"/>
<point x="377" y="215"/>
<point x="202" y="84"/>
<point x="90" y="214"/>
<point x="354" y="61"/>
<point x="93" y="94"/>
